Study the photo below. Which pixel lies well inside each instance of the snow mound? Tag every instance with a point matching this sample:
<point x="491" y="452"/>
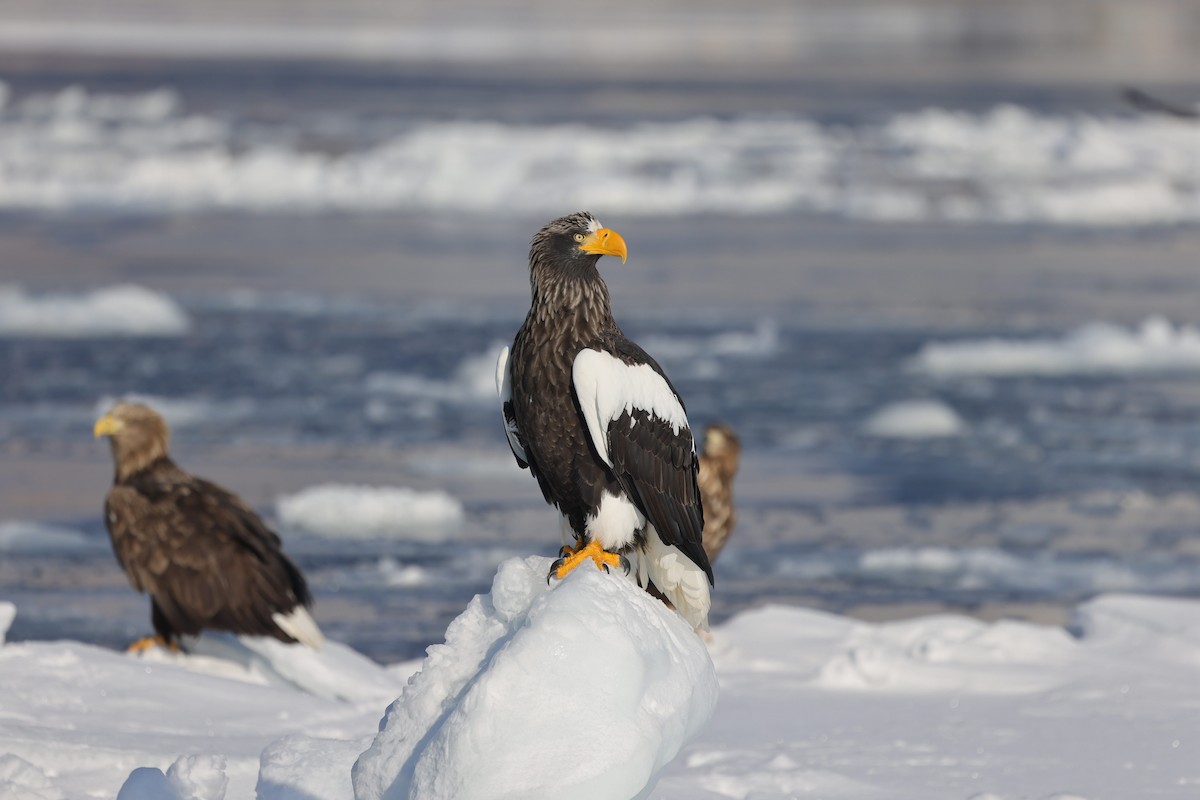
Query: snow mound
<point x="335" y="672"/>
<point x="1098" y="348"/>
<point x="932" y="654"/>
<point x="35" y="537"/>
<point x="1158" y="629"/>
<point x="300" y="767"/>
<point x="584" y="690"/>
<point x="199" y="777"/>
<point x="116" y="311"/>
<point x="915" y="419"/>
<point x="371" y="512"/>
<point x="20" y="780"/>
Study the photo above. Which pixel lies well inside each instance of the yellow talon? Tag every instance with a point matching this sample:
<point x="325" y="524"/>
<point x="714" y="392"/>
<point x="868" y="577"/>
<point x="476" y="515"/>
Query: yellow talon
<point x="601" y="557"/>
<point x="146" y="642"/>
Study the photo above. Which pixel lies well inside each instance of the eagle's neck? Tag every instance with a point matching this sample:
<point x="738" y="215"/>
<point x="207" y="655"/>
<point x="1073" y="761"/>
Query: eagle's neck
<point x="131" y="461"/>
<point x="574" y="303"/>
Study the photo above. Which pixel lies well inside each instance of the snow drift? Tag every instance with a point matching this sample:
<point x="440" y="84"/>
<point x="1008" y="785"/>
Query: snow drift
<point x="368" y="512"/>
<point x="585" y="690"/>
<point x="116" y="311"/>
<point x="1099" y="348"/>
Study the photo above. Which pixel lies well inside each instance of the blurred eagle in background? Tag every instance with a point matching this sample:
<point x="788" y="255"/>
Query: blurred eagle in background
<point x="205" y="558"/>
<point x="600" y="426"/>
<point x="718" y="466"/>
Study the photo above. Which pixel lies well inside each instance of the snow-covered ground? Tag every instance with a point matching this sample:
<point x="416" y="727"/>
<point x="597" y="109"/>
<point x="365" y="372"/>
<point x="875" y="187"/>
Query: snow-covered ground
<point x="594" y="686"/>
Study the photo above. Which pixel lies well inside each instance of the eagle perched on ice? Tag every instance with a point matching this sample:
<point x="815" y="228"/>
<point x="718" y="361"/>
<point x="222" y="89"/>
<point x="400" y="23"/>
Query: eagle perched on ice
<point x="599" y="424"/>
<point x="205" y="558"/>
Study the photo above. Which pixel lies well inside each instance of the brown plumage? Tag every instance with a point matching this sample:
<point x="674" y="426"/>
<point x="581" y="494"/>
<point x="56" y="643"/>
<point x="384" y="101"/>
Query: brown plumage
<point x="205" y="558"/>
<point x="718" y="466"/>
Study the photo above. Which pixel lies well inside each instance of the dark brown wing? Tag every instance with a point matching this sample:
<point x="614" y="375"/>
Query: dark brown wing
<point x="204" y="556"/>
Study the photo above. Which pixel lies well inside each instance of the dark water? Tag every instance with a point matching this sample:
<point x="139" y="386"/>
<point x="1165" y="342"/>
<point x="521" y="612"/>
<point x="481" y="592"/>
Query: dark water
<point x="1057" y="484"/>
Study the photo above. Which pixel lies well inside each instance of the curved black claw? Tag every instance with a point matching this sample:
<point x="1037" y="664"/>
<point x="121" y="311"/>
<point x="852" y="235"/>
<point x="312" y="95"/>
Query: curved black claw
<point x="554" y="569"/>
<point x="624" y="564"/>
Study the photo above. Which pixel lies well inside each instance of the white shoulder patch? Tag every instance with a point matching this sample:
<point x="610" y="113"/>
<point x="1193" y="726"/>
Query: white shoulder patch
<point x="503" y="382"/>
<point x="607" y="387"/>
<point x="504" y="391"/>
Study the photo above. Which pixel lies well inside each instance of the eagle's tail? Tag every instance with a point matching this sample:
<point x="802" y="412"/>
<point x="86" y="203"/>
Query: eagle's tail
<point x="300" y="625"/>
<point x="679" y="579"/>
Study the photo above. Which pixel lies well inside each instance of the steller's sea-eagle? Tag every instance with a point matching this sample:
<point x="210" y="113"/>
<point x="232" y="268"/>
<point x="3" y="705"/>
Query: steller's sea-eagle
<point x="598" y="423"/>
<point x="205" y="558"/>
<point x="718" y="466"/>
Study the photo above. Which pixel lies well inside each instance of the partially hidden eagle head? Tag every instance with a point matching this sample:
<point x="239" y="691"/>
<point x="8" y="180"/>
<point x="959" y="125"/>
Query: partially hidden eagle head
<point x="138" y="434"/>
<point x="722" y="444"/>
<point x="576" y="240"/>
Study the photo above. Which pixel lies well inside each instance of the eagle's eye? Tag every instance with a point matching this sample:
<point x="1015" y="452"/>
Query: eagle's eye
<point x="579" y="237"/>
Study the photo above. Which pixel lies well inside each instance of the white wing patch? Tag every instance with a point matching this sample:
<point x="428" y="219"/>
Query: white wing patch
<point x="504" y="390"/>
<point x="607" y="387"/>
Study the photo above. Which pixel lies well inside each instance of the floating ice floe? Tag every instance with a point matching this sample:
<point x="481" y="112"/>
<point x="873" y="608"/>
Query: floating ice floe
<point x="117" y="311"/>
<point x="145" y="151"/>
<point x="1099" y="348"/>
<point x="915" y="419"/>
<point x="473" y="381"/>
<point x="369" y="512"/>
<point x="36" y="537"/>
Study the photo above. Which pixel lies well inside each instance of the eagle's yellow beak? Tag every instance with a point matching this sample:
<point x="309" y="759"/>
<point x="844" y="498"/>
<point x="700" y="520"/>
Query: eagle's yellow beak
<point x="605" y="242"/>
<point x="107" y="426"/>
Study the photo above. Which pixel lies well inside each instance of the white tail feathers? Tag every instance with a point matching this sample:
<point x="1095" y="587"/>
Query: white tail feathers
<point x="300" y="625"/>
<point x="683" y="583"/>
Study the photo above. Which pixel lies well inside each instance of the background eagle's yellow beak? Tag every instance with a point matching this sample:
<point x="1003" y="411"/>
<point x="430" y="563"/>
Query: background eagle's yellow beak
<point x="606" y="242"/>
<point x="106" y="426"/>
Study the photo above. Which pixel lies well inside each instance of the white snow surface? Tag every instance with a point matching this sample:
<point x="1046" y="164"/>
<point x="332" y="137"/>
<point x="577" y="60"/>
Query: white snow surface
<point x="915" y="419"/>
<point x="371" y="512"/>
<point x="145" y="151"/>
<point x="811" y="704"/>
<point x="1097" y="348"/>
<point x="585" y="690"/>
<point x="126" y="310"/>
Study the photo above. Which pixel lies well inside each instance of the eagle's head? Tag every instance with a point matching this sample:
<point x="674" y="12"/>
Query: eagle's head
<point x="573" y="242"/>
<point x="722" y="444"/>
<point x="139" y="436"/>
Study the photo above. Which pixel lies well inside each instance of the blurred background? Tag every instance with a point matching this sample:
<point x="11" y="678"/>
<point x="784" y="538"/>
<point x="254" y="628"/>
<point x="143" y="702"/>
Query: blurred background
<point x="921" y="254"/>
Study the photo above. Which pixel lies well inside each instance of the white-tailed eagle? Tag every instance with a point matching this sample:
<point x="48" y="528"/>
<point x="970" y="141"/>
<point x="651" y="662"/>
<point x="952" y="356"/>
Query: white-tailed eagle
<point x="205" y="558"/>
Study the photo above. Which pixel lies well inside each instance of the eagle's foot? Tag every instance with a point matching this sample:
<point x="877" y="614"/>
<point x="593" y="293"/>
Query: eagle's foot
<point x="599" y="556"/>
<point x="146" y="642"/>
